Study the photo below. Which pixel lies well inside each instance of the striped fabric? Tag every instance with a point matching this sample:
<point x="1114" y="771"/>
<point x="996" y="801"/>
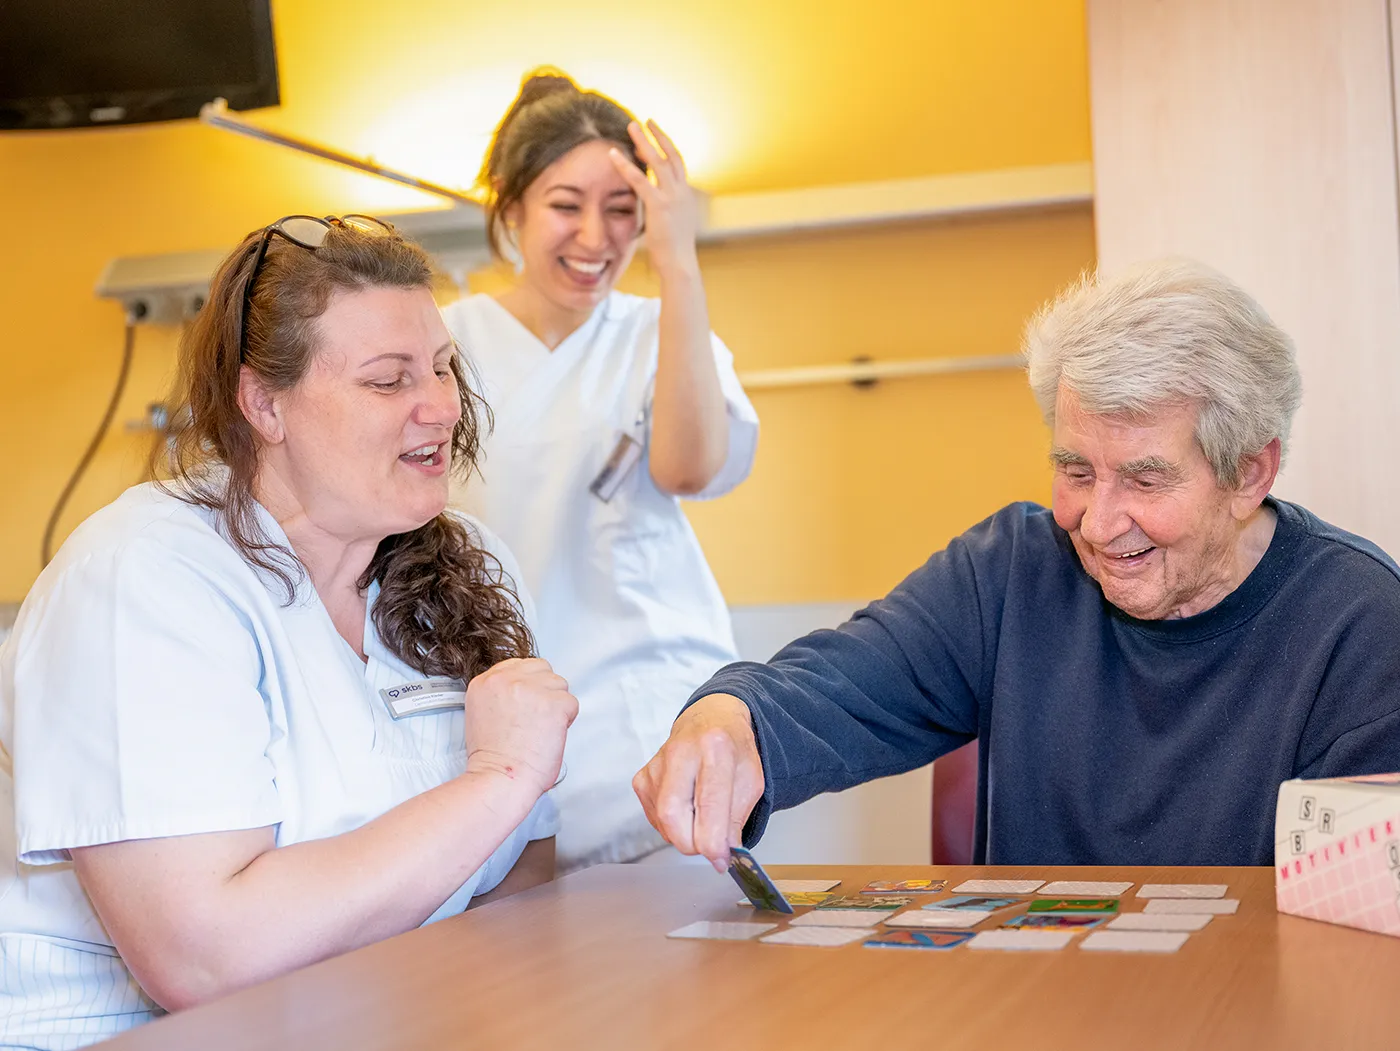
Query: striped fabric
<point x="58" y="994"/>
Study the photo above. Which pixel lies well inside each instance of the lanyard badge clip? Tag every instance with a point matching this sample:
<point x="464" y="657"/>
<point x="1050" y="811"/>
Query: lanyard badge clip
<point x="625" y="456"/>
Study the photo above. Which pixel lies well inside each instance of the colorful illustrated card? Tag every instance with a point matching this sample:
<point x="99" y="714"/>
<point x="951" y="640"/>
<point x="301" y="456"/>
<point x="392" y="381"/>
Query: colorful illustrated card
<point x="1098" y="905"/>
<point x="918" y="940"/>
<point x="754" y="882"/>
<point x="1050" y="921"/>
<point x="972" y="903"/>
<point x="905" y="886"/>
<point x="798" y="897"/>
<point x="865" y="902"/>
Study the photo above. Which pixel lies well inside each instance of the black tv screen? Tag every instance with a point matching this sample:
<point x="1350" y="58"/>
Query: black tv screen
<point x="81" y="63"/>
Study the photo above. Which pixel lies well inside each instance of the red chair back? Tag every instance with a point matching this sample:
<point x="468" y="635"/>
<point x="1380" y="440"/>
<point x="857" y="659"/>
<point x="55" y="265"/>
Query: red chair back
<point x="955" y="806"/>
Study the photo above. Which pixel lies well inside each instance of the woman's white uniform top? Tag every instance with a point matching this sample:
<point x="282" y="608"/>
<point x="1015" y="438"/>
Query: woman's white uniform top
<point x="629" y="612"/>
<point x="156" y="685"/>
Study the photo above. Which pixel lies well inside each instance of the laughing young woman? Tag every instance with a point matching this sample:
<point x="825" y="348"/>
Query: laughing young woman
<point x="608" y="408"/>
<point x="283" y="705"/>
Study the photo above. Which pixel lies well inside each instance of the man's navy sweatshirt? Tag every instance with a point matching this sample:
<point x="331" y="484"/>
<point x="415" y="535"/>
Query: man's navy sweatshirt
<point x="1104" y="740"/>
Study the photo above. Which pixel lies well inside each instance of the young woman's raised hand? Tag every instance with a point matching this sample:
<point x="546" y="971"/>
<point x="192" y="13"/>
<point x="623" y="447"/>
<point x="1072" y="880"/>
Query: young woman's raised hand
<point x="669" y="208"/>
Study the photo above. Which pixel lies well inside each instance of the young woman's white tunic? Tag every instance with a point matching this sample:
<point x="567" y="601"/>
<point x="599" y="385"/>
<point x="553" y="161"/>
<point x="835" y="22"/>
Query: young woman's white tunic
<point x="156" y="685"/>
<point x="629" y="611"/>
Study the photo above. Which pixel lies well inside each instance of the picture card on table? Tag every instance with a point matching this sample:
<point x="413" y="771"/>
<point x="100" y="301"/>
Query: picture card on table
<point x="1049" y="921"/>
<point x="1182" y="890"/>
<point x="798" y="897"/>
<point x="829" y="937"/>
<point x="1017" y="941"/>
<point x="1159" y="921"/>
<point x="1134" y="941"/>
<point x="754" y="882"/>
<point x="905" y="886"/>
<point x="1072" y="888"/>
<point x="998" y="886"/>
<point x="721" y="931"/>
<point x="1099" y="905"/>
<point x="918" y="940"/>
<point x="1194" y="906"/>
<point x="971" y="902"/>
<point x="866" y="901"/>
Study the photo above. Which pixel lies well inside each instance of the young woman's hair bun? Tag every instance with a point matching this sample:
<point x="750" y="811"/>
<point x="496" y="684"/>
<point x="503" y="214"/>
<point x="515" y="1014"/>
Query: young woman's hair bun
<point x="538" y="83"/>
<point x="549" y="117"/>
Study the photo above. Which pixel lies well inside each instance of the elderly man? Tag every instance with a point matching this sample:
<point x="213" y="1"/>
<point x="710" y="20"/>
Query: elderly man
<point x="1143" y="663"/>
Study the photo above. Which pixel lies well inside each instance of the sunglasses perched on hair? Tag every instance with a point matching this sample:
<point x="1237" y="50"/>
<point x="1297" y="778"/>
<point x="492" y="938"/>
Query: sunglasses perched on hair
<point x="304" y="231"/>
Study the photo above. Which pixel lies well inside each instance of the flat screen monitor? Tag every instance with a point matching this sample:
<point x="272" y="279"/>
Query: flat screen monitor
<point x="85" y="63"/>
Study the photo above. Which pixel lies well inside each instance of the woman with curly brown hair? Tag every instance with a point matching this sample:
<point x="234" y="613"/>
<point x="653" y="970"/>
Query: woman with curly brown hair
<point x="282" y="704"/>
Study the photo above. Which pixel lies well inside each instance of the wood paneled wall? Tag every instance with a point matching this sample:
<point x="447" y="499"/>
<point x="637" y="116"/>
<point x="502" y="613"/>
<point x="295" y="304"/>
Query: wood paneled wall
<point x="1260" y="137"/>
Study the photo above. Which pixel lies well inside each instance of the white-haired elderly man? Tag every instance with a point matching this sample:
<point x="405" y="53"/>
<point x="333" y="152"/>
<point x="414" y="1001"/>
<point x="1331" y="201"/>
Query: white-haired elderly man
<point x="1143" y="663"/>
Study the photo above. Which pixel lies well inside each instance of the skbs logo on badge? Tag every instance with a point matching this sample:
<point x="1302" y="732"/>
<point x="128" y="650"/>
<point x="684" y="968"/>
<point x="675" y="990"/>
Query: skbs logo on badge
<point x="426" y="695"/>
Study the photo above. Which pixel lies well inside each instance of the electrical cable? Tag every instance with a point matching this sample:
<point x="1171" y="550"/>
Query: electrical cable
<point x="46" y="547"/>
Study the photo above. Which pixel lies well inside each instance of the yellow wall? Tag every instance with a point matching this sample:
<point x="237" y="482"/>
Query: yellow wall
<point x="779" y="94"/>
<point x="854" y="488"/>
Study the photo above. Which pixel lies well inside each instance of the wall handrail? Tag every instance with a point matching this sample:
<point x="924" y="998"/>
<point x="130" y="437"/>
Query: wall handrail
<point x="216" y="115"/>
<point x="864" y="372"/>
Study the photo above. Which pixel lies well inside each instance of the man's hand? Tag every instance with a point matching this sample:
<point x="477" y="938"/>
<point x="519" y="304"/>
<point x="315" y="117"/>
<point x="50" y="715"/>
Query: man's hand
<point x="700" y="788"/>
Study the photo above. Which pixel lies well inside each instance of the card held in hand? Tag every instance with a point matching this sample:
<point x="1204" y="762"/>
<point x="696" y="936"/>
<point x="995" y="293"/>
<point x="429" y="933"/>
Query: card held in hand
<point x="754" y="882"/>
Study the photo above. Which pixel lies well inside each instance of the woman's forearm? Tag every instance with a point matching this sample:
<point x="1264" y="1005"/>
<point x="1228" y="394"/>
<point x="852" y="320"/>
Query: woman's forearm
<point x="689" y="424"/>
<point x="190" y="929"/>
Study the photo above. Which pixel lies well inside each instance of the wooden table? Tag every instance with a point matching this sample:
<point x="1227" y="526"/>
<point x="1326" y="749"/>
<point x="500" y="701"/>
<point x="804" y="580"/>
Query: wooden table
<point x="585" y="963"/>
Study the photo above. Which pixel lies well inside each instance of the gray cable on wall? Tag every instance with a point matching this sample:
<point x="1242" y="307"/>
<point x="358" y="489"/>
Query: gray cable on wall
<point x="46" y="547"/>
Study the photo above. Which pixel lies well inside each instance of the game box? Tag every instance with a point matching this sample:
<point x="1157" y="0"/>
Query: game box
<point x="1337" y="851"/>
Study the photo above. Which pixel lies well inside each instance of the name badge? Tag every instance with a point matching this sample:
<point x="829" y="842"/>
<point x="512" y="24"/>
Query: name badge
<point x="425" y="695"/>
<point x="624" y="457"/>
